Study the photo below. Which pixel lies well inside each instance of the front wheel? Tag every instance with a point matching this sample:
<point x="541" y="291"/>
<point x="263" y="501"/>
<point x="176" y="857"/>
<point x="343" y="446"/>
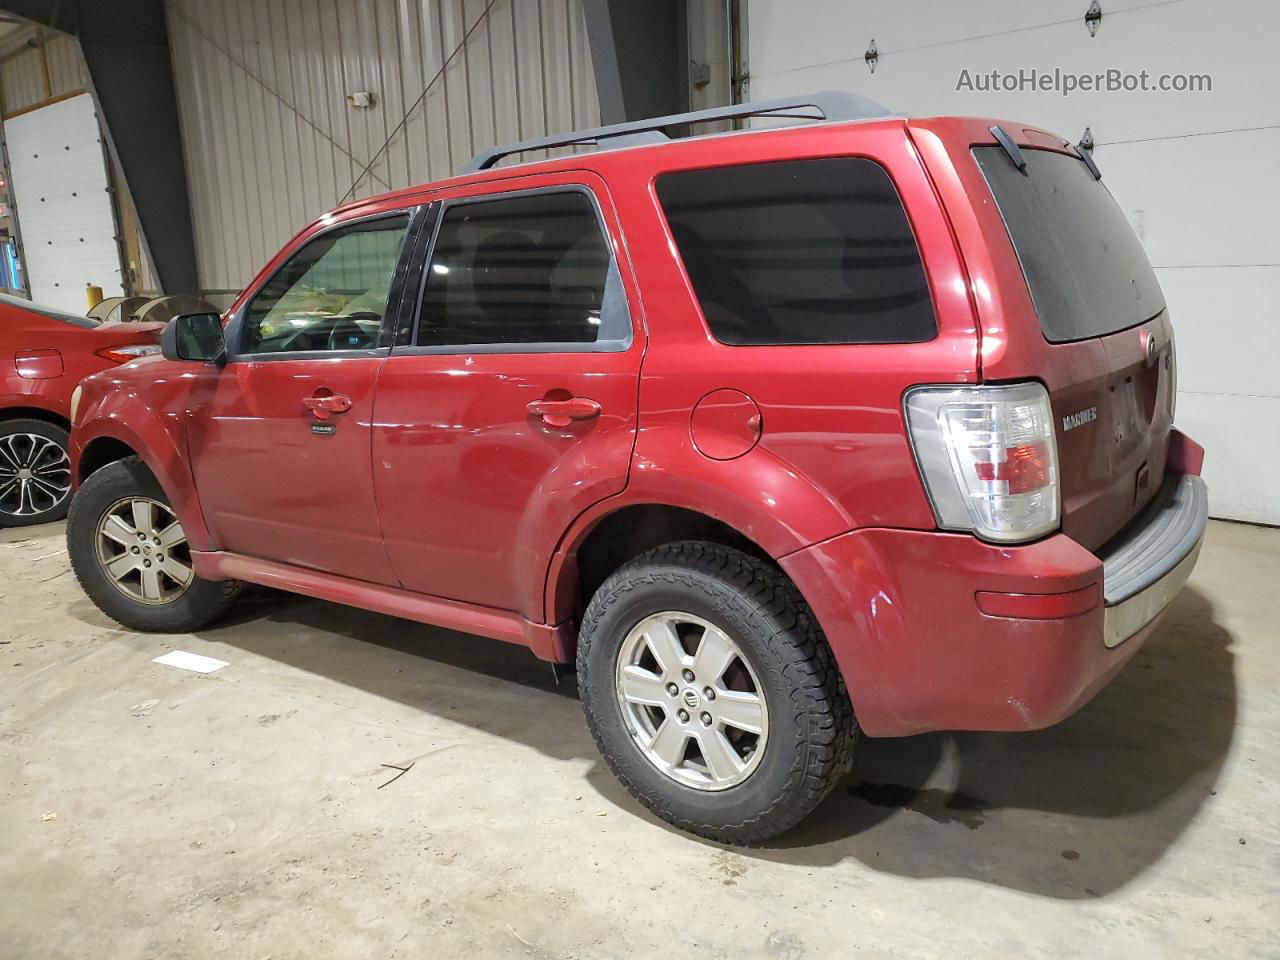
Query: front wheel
<point x="131" y="556"/>
<point x="711" y="692"/>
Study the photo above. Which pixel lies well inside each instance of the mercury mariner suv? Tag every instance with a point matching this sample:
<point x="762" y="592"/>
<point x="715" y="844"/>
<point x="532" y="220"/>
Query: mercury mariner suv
<point x="784" y="436"/>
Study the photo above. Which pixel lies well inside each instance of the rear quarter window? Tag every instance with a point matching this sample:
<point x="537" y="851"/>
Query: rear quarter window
<point x="799" y="252"/>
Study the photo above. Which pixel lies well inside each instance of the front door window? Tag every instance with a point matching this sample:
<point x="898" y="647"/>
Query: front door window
<point x="330" y="295"/>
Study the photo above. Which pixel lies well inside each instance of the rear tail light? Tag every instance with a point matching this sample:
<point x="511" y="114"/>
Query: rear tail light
<point x="988" y="458"/>
<point x="130" y="352"/>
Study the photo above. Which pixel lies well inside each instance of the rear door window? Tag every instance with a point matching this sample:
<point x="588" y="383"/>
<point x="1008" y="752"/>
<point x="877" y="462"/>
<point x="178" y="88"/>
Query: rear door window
<point x="1084" y="266"/>
<point x="528" y="271"/>
<point x="800" y="252"/>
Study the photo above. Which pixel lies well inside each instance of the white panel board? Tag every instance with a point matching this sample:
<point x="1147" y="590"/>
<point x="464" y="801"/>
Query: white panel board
<point x="1194" y="172"/>
<point x="60" y="192"/>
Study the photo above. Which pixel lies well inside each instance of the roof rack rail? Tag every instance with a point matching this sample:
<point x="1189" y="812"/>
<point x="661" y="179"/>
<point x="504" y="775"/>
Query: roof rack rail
<point x="828" y="105"/>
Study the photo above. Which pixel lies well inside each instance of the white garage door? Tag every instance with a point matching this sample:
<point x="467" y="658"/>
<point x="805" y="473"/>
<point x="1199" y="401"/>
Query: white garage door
<point x="1196" y="172"/>
<point x="64" y="210"/>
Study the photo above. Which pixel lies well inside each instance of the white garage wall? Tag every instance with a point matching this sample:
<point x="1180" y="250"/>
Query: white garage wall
<point x="272" y="142"/>
<point x="60" y="188"/>
<point x="1195" y="172"/>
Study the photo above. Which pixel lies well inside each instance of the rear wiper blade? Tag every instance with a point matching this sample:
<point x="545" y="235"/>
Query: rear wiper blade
<point x="1010" y="148"/>
<point x="1087" y="157"/>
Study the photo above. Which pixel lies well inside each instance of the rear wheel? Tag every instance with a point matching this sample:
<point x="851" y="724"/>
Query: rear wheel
<point x="711" y="692"/>
<point x="131" y="555"/>
<point x="35" y="473"/>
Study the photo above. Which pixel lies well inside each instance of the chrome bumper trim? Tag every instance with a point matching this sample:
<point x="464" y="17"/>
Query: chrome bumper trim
<point x="1125" y="619"/>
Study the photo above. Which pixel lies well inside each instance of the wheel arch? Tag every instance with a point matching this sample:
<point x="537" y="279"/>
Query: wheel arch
<point x="100" y="452"/>
<point x="756" y="503"/>
<point x="623" y="533"/>
<point x="43" y="414"/>
<point x="101" y="441"/>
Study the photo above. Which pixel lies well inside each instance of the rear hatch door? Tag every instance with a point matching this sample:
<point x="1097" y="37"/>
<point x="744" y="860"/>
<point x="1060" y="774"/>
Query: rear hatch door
<point x="1106" y="345"/>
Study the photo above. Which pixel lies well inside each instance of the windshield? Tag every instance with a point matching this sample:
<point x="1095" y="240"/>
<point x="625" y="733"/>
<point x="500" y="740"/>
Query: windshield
<point x="51" y="312"/>
<point x="1085" y="267"/>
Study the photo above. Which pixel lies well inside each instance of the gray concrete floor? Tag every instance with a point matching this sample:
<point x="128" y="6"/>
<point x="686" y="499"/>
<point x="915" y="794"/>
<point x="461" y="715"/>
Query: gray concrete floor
<point x="240" y="813"/>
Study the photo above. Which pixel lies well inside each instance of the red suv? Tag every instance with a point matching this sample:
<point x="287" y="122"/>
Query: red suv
<point x="780" y="435"/>
<point x="44" y="354"/>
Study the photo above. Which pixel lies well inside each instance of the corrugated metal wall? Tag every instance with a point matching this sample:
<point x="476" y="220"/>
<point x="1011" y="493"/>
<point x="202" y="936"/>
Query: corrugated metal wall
<point x="23" y="75"/>
<point x="272" y="141"/>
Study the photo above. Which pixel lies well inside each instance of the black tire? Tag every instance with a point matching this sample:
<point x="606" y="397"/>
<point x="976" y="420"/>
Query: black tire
<point x="9" y="515"/>
<point x="202" y="602"/>
<point x="812" y="729"/>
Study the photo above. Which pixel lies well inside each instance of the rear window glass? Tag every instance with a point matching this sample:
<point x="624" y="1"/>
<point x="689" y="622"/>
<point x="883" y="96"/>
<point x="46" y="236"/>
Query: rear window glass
<point x="1085" y="267"/>
<point x="802" y="252"/>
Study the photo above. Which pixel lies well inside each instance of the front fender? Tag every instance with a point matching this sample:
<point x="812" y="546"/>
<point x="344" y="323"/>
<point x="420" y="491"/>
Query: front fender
<point x="157" y="437"/>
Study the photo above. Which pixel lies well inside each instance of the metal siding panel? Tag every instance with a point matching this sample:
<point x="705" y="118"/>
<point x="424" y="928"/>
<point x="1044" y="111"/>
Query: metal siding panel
<point x="240" y="143"/>
<point x="529" y="75"/>
<point x="389" y="82"/>
<point x="409" y="69"/>
<point x="23" y="78"/>
<point x="200" y="66"/>
<point x="206" y="221"/>
<point x="253" y="128"/>
<point x="264" y="107"/>
<point x="461" y="145"/>
<point x="438" y="133"/>
<point x="65" y="73"/>
<point x="478" y="63"/>
<point x="557" y="70"/>
<point x="503" y="90"/>
<point x="272" y="141"/>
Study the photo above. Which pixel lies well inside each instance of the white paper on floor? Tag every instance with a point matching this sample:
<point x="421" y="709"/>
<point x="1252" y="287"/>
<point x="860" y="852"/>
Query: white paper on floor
<point x="190" y="661"/>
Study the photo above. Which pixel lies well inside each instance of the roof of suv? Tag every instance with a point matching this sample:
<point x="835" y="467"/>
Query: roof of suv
<point x="832" y="107"/>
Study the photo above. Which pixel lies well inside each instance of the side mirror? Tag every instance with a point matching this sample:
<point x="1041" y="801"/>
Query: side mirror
<point x="194" y="336"/>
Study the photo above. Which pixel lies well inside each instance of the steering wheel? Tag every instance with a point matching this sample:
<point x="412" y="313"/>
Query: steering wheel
<point x="349" y="329"/>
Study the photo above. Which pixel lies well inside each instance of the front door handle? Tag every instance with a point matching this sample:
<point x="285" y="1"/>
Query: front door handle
<point x="561" y="413"/>
<point x="327" y="404"/>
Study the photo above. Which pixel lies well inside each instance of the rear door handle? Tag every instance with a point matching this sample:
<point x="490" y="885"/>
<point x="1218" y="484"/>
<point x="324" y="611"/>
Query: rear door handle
<point x="326" y="405"/>
<point x="561" y="413"/>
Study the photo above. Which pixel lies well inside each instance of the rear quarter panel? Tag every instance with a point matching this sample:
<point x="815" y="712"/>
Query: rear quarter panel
<point x="834" y="453"/>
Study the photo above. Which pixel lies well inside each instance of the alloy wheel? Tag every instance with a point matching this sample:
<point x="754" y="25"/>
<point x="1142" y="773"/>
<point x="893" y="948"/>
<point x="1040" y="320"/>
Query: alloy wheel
<point x="691" y="701"/>
<point x="143" y="551"/>
<point x="35" y="474"/>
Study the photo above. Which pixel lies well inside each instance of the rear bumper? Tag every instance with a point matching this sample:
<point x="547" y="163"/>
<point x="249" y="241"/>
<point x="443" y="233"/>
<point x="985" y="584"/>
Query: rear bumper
<point x="1145" y="567"/>
<point x="904" y="617"/>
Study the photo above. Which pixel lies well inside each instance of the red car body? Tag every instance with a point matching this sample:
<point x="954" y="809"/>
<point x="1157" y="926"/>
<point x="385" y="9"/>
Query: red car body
<point x="443" y="500"/>
<point x="44" y="354"/>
